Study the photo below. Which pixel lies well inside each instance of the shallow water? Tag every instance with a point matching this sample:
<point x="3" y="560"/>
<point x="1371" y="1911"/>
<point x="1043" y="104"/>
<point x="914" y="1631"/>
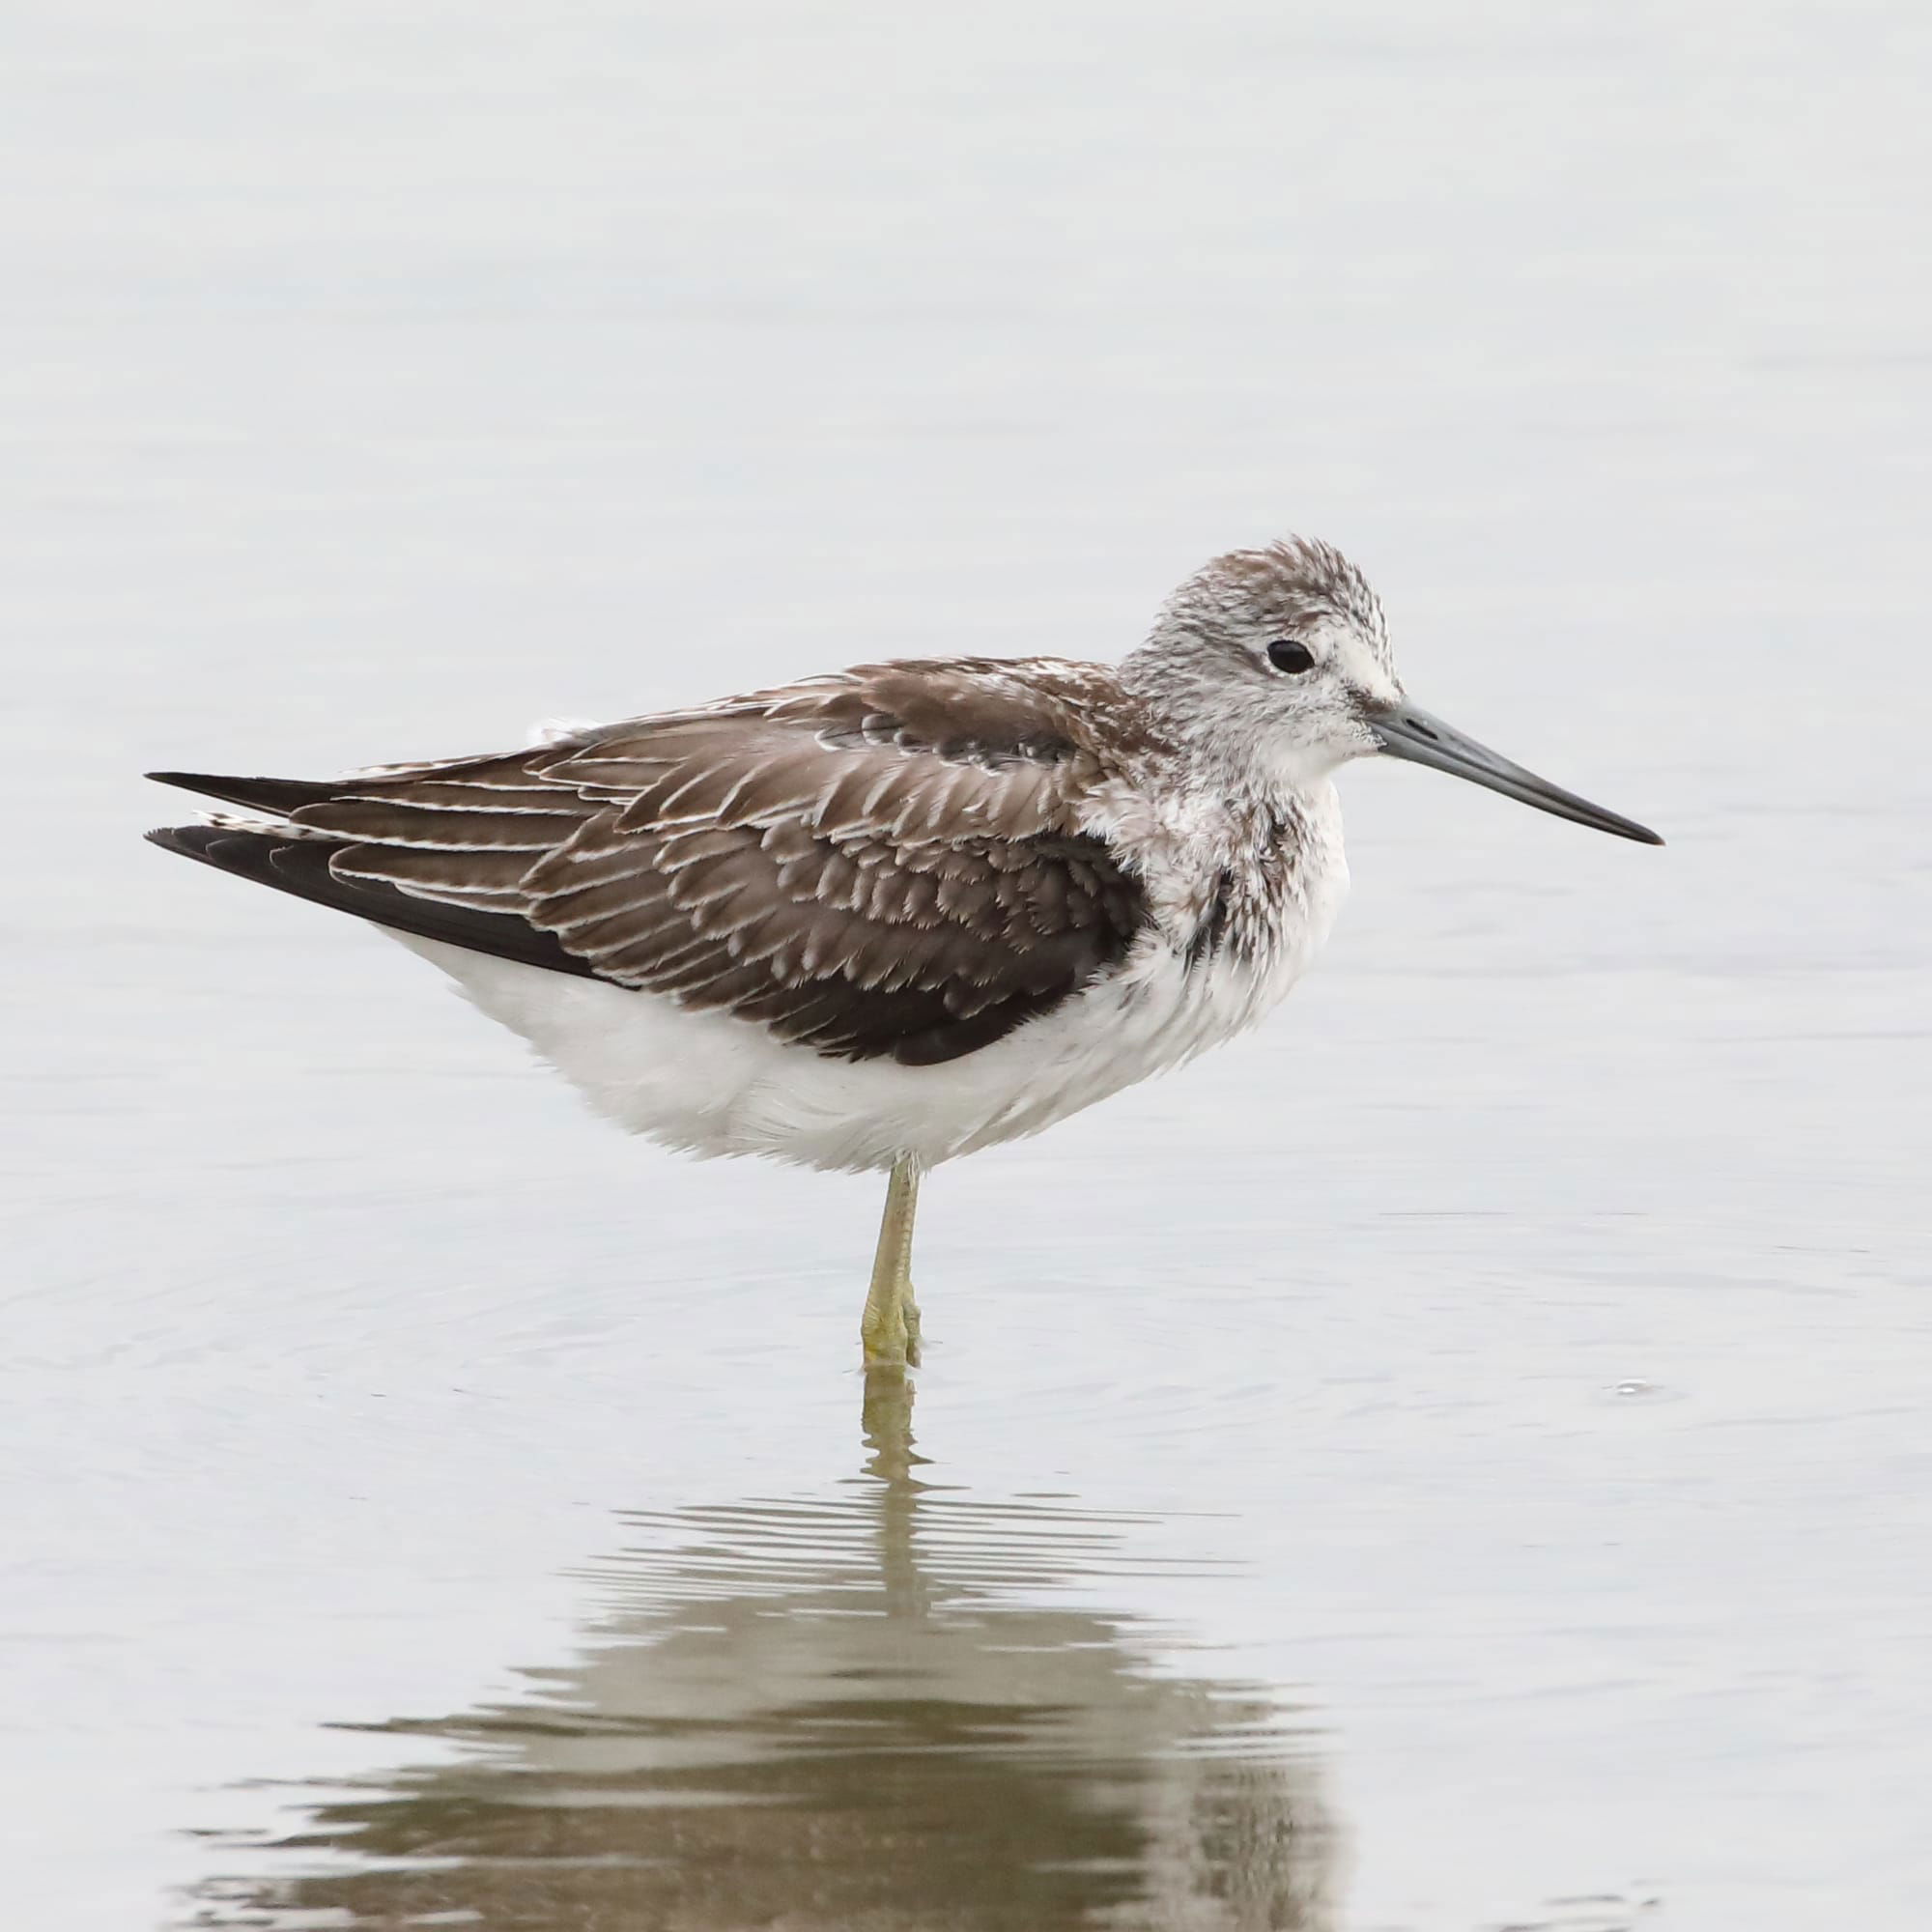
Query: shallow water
<point x="1457" y="1460"/>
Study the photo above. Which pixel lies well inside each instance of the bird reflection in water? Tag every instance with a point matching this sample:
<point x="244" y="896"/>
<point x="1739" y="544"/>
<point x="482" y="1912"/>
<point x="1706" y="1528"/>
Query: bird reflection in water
<point x="850" y="1715"/>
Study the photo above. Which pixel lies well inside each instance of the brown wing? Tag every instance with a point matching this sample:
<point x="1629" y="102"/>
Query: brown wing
<point x="886" y="862"/>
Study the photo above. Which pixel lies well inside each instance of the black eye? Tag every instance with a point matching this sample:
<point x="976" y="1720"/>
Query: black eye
<point x="1284" y="654"/>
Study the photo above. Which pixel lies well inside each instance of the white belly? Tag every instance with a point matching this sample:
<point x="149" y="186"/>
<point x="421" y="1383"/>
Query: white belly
<point x="712" y="1084"/>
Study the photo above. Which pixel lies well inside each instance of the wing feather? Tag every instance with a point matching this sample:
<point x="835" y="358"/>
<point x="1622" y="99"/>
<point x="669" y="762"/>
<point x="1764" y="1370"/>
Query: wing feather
<point x="885" y="862"/>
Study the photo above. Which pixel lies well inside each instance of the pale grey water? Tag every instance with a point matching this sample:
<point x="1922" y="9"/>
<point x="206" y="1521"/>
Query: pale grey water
<point x="1460" y="1458"/>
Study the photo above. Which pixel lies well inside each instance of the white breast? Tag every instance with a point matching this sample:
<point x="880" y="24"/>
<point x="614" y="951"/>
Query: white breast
<point x="712" y="1084"/>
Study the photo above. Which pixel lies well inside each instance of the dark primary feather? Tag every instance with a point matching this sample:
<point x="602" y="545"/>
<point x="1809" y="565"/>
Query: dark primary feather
<point x="300" y="865"/>
<point x="256" y="794"/>
<point x="883" y="864"/>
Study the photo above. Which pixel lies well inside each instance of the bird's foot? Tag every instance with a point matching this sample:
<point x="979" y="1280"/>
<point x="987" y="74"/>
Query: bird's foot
<point x="891" y="1335"/>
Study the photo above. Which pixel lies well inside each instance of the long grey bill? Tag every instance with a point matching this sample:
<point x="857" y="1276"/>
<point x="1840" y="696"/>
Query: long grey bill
<point x="1407" y="732"/>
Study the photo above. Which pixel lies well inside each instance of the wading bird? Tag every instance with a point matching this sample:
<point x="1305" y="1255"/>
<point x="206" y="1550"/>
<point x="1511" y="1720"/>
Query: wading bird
<point x="879" y="919"/>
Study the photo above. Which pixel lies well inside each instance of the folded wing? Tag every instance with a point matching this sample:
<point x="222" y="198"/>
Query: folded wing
<point x="887" y="862"/>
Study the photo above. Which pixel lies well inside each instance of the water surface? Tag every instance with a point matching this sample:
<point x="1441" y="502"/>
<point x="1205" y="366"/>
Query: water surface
<point x="867" y="1708"/>
<point x="1455" y="1460"/>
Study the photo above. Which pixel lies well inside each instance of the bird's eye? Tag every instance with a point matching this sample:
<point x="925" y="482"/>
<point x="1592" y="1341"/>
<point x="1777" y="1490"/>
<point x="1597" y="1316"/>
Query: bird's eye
<point x="1284" y="654"/>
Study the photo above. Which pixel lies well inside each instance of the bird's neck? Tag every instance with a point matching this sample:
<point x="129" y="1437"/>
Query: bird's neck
<point x="1255" y="777"/>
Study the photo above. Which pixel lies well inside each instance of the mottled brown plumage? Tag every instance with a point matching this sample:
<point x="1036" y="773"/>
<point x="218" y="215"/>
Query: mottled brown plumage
<point x="887" y="862"/>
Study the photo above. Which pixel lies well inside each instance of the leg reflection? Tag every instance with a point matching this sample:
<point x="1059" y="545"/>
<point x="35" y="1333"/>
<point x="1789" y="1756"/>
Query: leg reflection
<point x="885" y="1423"/>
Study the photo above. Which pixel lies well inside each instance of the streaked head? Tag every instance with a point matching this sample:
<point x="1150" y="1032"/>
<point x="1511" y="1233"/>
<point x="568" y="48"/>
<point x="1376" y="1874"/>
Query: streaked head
<point x="1278" y="660"/>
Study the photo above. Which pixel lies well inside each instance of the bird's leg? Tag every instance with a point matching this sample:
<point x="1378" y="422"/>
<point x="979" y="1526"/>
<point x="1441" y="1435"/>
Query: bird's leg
<point x="889" y="1327"/>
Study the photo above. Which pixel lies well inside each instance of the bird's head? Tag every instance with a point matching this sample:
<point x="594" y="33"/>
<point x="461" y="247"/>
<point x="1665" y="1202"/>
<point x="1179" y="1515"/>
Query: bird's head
<point x="1276" y="661"/>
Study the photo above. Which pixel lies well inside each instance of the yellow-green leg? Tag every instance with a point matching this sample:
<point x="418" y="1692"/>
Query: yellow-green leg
<point x="889" y="1327"/>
